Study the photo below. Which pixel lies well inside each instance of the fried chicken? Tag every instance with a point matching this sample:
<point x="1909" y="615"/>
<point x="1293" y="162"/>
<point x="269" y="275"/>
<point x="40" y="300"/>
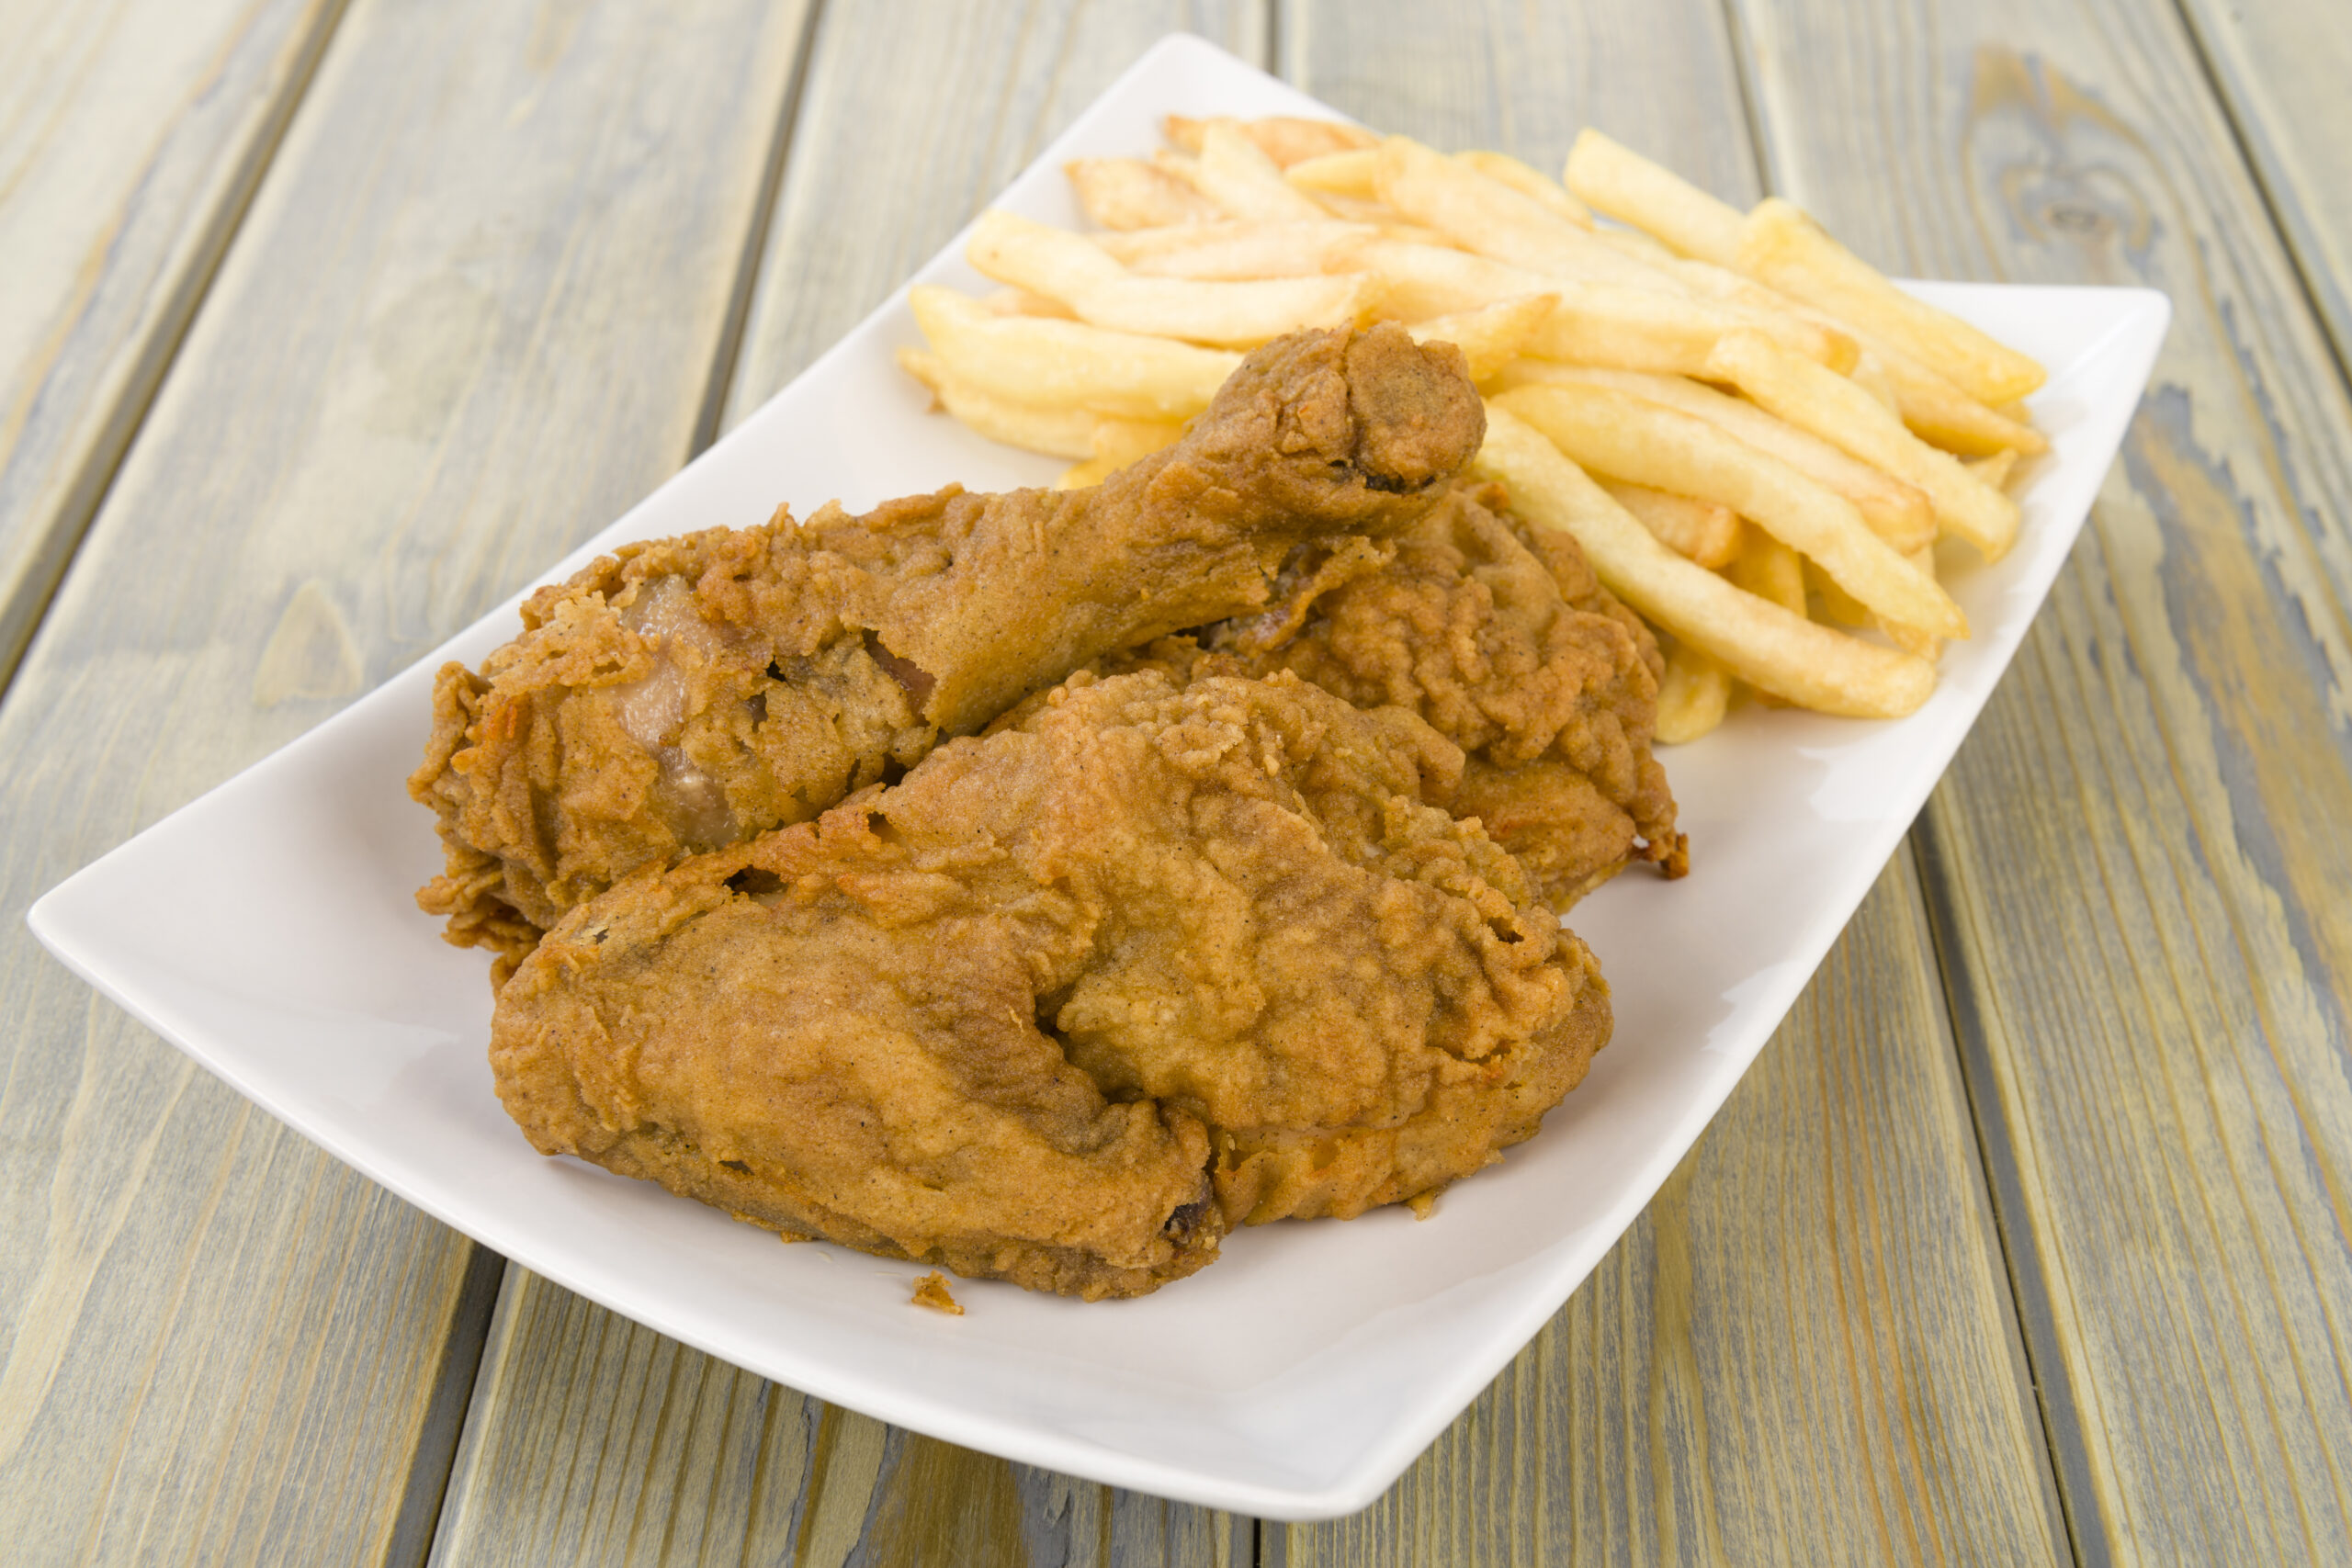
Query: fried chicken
<point x="1502" y="638"/>
<point x="1074" y="998"/>
<point x="683" y="695"/>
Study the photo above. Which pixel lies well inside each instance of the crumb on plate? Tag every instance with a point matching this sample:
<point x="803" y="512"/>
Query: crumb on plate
<point x="930" y="1290"/>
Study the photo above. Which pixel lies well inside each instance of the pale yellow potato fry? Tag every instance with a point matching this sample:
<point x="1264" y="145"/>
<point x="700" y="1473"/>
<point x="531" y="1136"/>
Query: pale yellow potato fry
<point x="1870" y="373"/>
<point x="1833" y="603"/>
<point x="1235" y="173"/>
<point x="1058" y="429"/>
<point x="1041" y="360"/>
<point x="1234" y="250"/>
<point x="1021" y="302"/>
<point x="1286" y="139"/>
<point x="1082" y="475"/>
<point x="1636" y="243"/>
<point x="1419" y="281"/>
<point x="1692" y="697"/>
<point x="1766" y="568"/>
<point x="1127" y="193"/>
<point x="1528" y="181"/>
<point x="1942" y="415"/>
<point x="1843" y="414"/>
<point x="1379" y="215"/>
<point x="1992" y="471"/>
<point x="1650" y="324"/>
<point x="1626" y="437"/>
<point x="1075" y="270"/>
<point x="1489" y="337"/>
<point x="1911" y="639"/>
<point x="1764" y="645"/>
<point x="1789" y="324"/>
<point x="1705" y="532"/>
<point x="1119" y="442"/>
<point x="1779" y="245"/>
<point x="1344" y="173"/>
<point x="1631" y="329"/>
<point x="1490" y="218"/>
<point x="1608" y="178"/>
<point x="1896" y="511"/>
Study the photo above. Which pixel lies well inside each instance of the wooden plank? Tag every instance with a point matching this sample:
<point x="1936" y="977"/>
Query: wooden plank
<point x="593" y="1440"/>
<point x="132" y="135"/>
<point x="1802" y="1352"/>
<point x="942" y="106"/>
<point x="2140" y="861"/>
<point x="2282" y="68"/>
<point x="471" y="316"/>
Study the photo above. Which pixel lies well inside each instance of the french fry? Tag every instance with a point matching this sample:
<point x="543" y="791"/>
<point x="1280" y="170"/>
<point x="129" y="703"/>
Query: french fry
<point x="1127" y="193"/>
<point x="1286" y="139"/>
<point x="1870" y="373"/>
<point x="1911" y="639"/>
<point x="1631" y="329"/>
<point x="1790" y="325"/>
<point x="1419" y="281"/>
<point x="1843" y="414"/>
<point x="1761" y="643"/>
<point x="1235" y="173"/>
<point x="1705" y="532"/>
<point x="1528" y="181"/>
<point x="1608" y="178"/>
<point x="1234" y="251"/>
<point x="1781" y="246"/>
<point x="1993" y="472"/>
<point x="1036" y="359"/>
<point x="1833" y="603"/>
<point x="1073" y="269"/>
<point x="1058" y="429"/>
<point x="1638" y="246"/>
<point x="1491" y="336"/>
<point x="1941" y="414"/>
<point x="1376" y="213"/>
<point x="1766" y="568"/>
<point x="1896" y="511"/>
<point x="1081" y="476"/>
<point x="1119" y="442"/>
<point x="1692" y="697"/>
<point x="1631" y="438"/>
<point x="1488" y="217"/>
<point x="1344" y="173"/>
<point x="1021" y="302"/>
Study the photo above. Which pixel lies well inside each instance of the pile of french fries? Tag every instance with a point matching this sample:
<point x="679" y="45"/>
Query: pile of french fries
<point x="1757" y="440"/>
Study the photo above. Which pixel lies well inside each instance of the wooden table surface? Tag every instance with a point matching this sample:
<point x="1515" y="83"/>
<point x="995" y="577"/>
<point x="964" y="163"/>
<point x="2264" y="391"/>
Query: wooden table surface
<point x="325" y="324"/>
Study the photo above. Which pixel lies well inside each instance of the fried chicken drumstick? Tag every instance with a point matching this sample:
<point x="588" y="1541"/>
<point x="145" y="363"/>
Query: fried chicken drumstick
<point x="1074" y="998"/>
<point x="685" y="694"/>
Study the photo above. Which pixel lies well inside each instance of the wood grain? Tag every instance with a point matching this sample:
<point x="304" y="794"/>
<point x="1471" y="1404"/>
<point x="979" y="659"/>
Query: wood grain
<point x="471" y="315"/>
<point x="132" y="133"/>
<point x="2140" y="859"/>
<point x="685" y="1458"/>
<point x="1802" y="1352"/>
<point x="595" y="1440"/>
<point x="2281" y="69"/>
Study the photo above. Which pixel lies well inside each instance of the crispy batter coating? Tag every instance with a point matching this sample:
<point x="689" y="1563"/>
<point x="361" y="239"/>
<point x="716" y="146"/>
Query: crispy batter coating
<point x="686" y="693"/>
<point x="1503" y="639"/>
<point x="1074" y="998"/>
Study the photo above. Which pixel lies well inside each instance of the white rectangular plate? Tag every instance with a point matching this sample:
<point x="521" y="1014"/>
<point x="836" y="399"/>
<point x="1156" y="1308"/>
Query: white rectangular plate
<point x="1299" y="1375"/>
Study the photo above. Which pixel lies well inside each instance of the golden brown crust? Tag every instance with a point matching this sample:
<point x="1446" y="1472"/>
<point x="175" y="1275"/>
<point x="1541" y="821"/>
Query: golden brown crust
<point x="1072" y="998"/>
<point x="680" y="694"/>
<point x="1501" y="638"/>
